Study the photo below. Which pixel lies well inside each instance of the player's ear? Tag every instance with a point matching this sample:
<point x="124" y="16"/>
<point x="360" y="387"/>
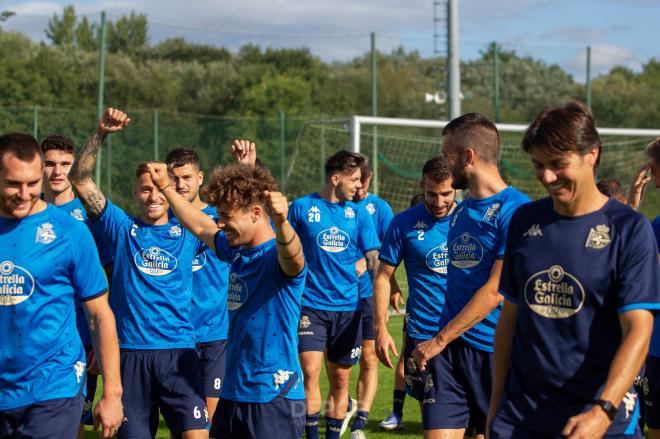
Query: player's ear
<point x="334" y="179"/>
<point x="200" y="177"/>
<point x="256" y="212"/>
<point x="470" y="156"/>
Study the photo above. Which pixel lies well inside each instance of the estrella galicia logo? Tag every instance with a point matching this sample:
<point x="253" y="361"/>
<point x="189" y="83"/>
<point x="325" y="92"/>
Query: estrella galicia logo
<point x="554" y="293"/>
<point x="238" y="292"/>
<point x="333" y="240"/>
<point x="437" y="258"/>
<point x="465" y="251"/>
<point x="199" y="262"/>
<point x="155" y="261"/>
<point x="16" y="284"/>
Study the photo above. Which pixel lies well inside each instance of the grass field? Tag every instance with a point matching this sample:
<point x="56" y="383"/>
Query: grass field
<point x="381" y="407"/>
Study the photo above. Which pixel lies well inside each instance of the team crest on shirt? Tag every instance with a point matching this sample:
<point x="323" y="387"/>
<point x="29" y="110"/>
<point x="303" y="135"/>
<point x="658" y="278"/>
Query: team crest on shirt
<point x="349" y="213"/>
<point x="371" y="208"/>
<point x="45" y="234"/>
<point x="238" y="292"/>
<point x="174" y="231"/>
<point x="16" y="284"/>
<point x="199" y="262"/>
<point x="554" y="293"/>
<point x="333" y="240"/>
<point x="599" y="237"/>
<point x="155" y="261"/>
<point x="77" y="214"/>
<point x="492" y="211"/>
<point x="437" y="258"/>
<point x="465" y="251"/>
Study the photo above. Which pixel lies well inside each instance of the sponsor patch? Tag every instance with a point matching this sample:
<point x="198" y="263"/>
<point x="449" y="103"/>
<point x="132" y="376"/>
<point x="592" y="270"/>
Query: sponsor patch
<point x="155" y="261"/>
<point x="554" y="294"/>
<point x="466" y="251"/>
<point x="333" y="240"/>
<point x="238" y="292"/>
<point x="437" y="258"/>
<point x="16" y="284"/>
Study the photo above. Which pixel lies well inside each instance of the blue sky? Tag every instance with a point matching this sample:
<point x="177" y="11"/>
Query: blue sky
<point x="619" y="32"/>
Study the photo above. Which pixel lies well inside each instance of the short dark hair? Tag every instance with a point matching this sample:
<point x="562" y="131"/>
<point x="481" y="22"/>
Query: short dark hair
<point x="653" y="150"/>
<point x="238" y="185"/>
<point x="417" y="199"/>
<point x="143" y="168"/>
<point x="58" y="142"/>
<point x="436" y="169"/>
<point x="365" y="169"/>
<point x="558" y="130"/>
<point x="23" y="146"/>
<point x="182" y="156"/>
<point x="342" y="161"/>
<point x="476" y="131"/>
<point x="611" y="187"/>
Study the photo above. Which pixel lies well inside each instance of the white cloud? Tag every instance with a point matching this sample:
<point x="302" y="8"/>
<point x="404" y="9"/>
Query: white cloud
<point x="603" y="58"/>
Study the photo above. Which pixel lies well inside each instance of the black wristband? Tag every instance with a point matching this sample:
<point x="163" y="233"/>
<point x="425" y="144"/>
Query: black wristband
<point x="608" y="408"/>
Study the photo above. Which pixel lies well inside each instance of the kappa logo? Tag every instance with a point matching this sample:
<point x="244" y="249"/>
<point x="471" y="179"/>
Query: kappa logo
<point x="281" y="377"/>
<point x="175" y="231"/>
<point x="629" y="402"/>
<point x="16" y="284"/>
<point x="79" y="368"/>
<point x="599" y="237"/>
<point x="77" y="214"/>
<point x="314" y="214"/>
<point x="371" y="208"/>
<point x="554" y="293"/>
<point x="492" y="211"/>
<point x="45" y="234"/>
<point x="421" y="225"/>
<point x="349" y="213"/>
<point x="535" y="230"/>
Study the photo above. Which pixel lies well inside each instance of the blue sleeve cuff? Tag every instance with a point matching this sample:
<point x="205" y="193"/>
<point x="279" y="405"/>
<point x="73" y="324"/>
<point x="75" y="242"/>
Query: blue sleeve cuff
<point x="388" y="261"/>
<point x="94" y="296"/>
<point x="647" y="306"/>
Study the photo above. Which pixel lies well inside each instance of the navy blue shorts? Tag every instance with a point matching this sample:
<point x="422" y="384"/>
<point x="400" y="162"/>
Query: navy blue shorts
<point x="87" y="417"/>
<point x="53" y="419"/>
<point x="502" y="428"/>
<point x="417" y="384"/>
<point x="462" y="377"/>
<point x="212" y="356"/>
<point x="170" y="379"/>
<point x="650" y="385"/>
<point x="367" y="308"/>
<point x="281" y="418"/>
<point x="338" y="333"/>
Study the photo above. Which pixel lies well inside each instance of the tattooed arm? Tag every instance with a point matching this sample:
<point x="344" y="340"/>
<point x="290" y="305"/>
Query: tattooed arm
<point x="90" y="195"/>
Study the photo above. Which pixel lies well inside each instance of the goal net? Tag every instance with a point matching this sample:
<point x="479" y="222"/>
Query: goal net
<point x="398" y="149"/>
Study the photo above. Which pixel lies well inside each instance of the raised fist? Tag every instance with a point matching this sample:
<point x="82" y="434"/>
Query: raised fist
<point x="277" y="206"/>
<point x="113" y="120"/>
<point x="244" y="152"/>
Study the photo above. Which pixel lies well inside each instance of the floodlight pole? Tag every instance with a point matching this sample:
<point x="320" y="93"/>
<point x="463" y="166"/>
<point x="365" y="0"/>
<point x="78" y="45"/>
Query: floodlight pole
<point x="454" y="83"/>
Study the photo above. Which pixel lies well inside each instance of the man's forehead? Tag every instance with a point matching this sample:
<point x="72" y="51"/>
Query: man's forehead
<point x="11" y="165"/>
<point x="183" y="169"/>
<point x="58" y="154"/>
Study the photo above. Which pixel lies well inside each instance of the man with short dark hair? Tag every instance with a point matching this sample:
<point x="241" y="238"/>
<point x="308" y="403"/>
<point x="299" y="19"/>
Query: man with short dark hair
<point x="58" y="156"/>
<point x="48" y="261"/>
<point x="210" y="279"/>
<point x="571" y="338"/>
<point x="152" y="289"/>
<point x="262" y="395"/>
<point x="461" y="376"/>
<point x="418" y="238"/>
<point x="332" y="229"/>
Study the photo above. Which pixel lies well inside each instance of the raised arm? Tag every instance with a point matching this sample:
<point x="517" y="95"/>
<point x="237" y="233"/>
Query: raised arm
<point x="640" y="180"/>
<point x="289" y="247"/>
<point x="244" y="152"/>
<point x="193" y="219"/>
<point x="90" y="195"/>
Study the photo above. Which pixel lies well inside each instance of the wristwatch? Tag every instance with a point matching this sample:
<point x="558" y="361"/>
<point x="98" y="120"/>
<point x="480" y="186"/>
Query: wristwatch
<point x="608" y="408"/>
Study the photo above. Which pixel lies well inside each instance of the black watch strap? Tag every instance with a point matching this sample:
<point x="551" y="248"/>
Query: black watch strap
<point x="608" y="408"/>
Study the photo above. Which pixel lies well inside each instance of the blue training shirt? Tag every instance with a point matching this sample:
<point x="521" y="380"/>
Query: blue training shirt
<point x="151" y="280"/>
<point x="209" y="298"/>
<point x="571" y="277"/>
<point x="654" y="349"/>
<point x="420" y="241"/>
<point x="264" y="309"/>
<point x="47" y="261"/>
<point x="381" y="214"/>
<point x="477" y="237"/>
<point x="331" y="235"/>
<point x="77" y="211"/>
